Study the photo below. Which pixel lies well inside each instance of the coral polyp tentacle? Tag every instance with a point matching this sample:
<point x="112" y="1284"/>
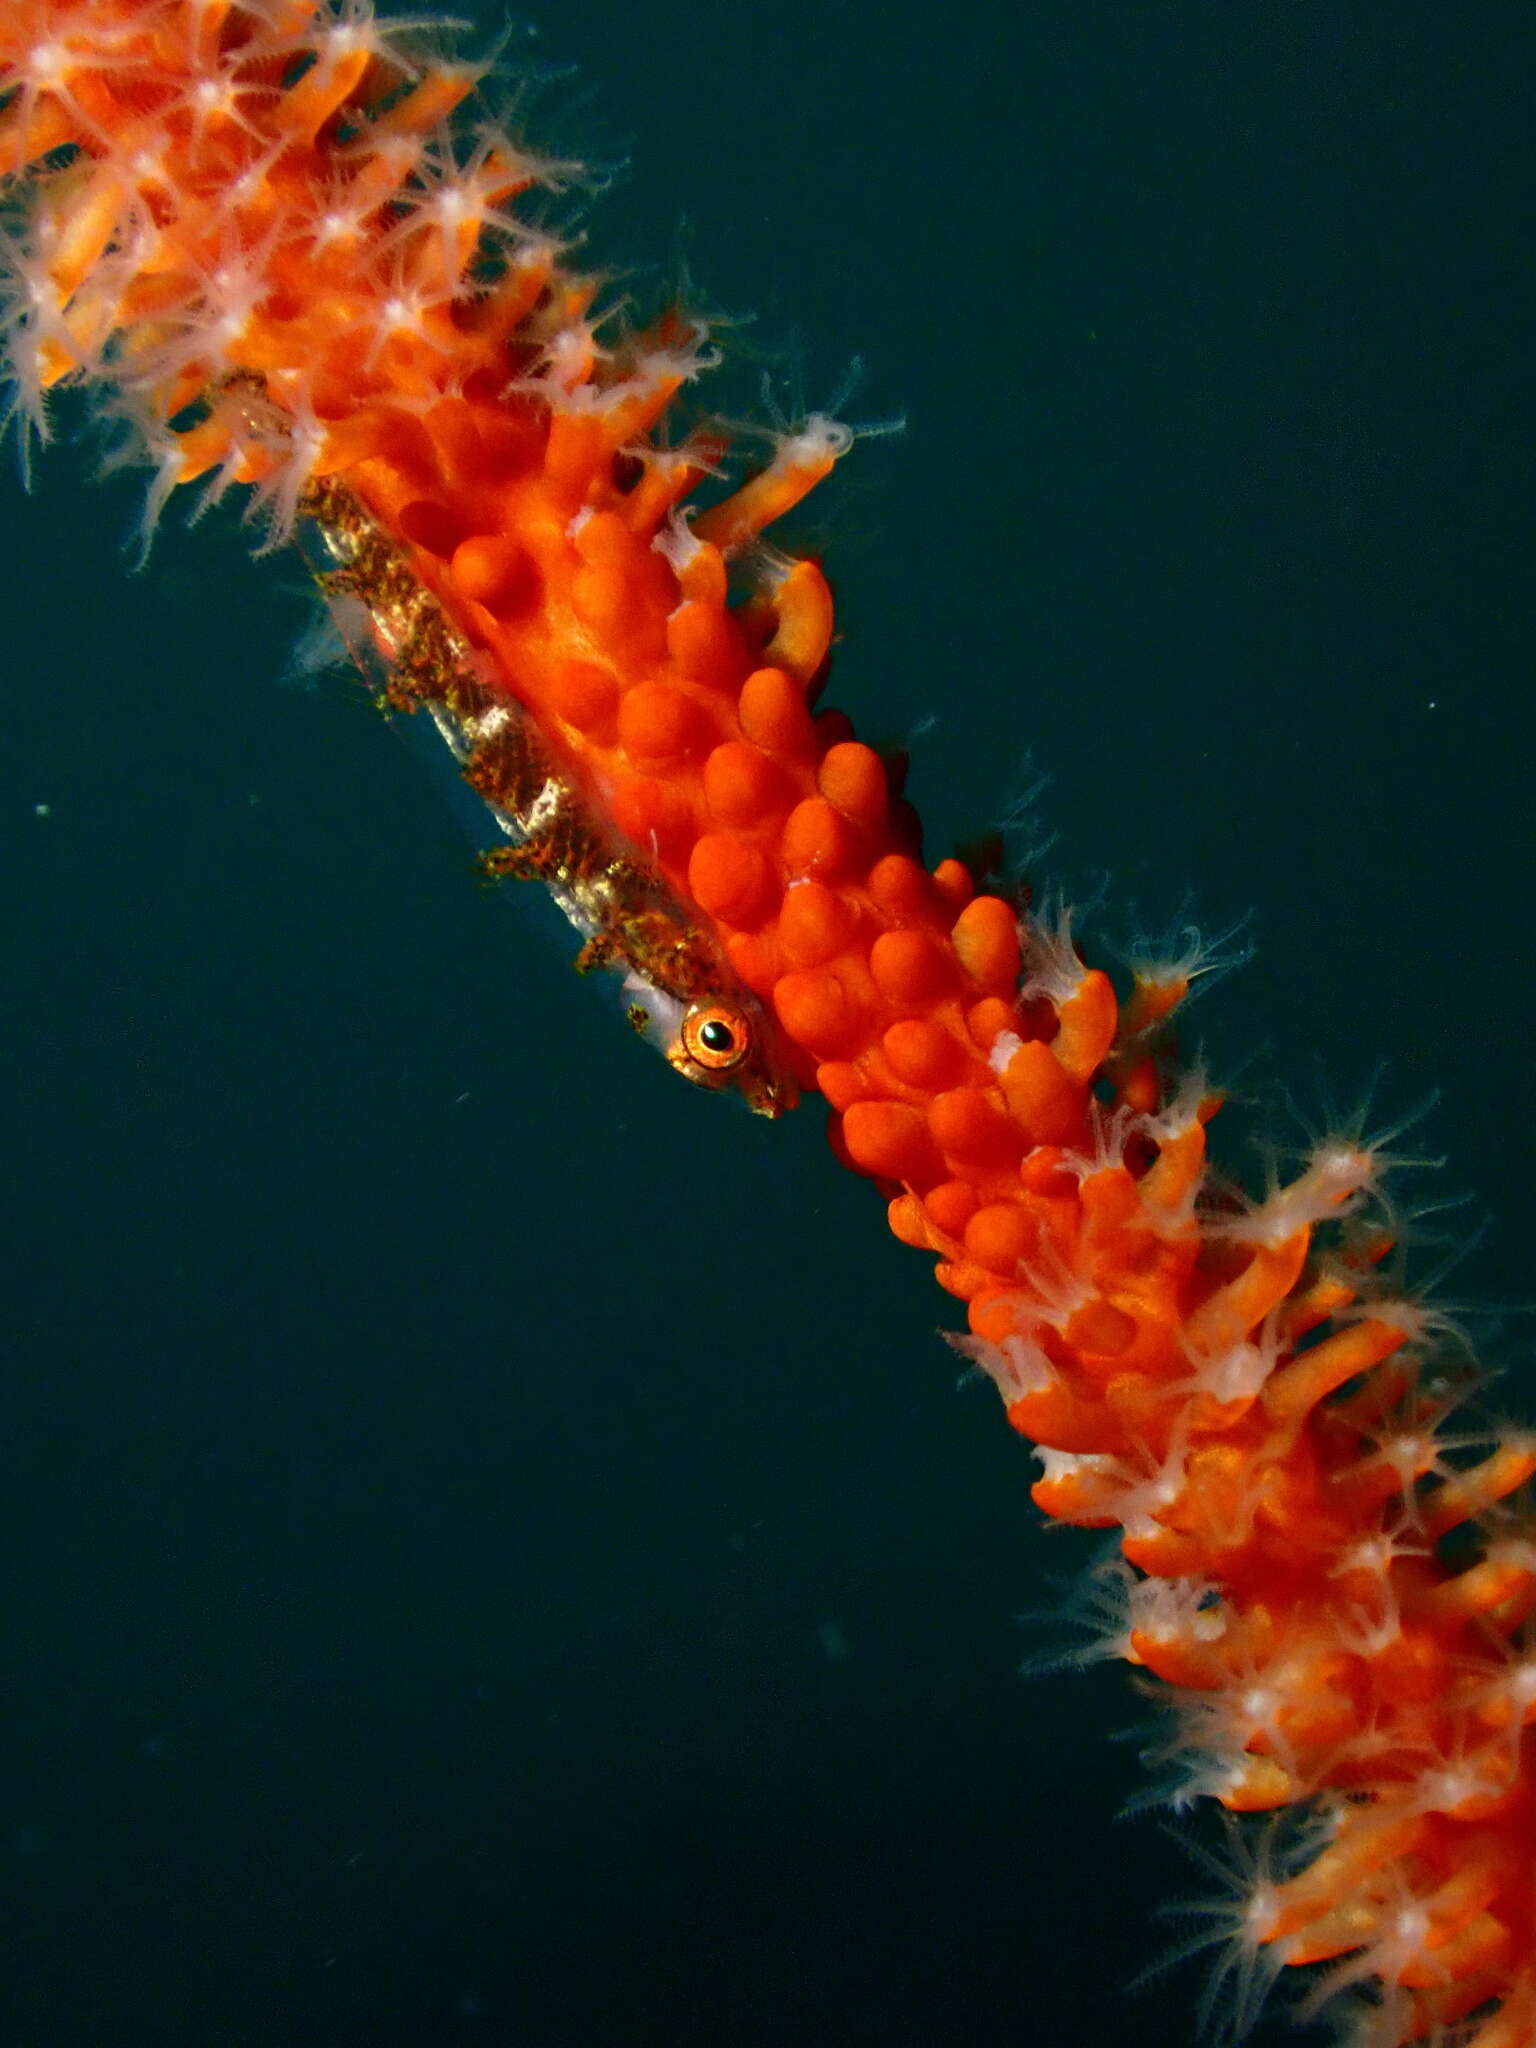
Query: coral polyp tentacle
<point x="253" y="226"/>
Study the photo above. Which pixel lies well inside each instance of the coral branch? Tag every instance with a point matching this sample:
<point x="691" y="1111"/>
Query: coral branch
<point x="254" y="229"/>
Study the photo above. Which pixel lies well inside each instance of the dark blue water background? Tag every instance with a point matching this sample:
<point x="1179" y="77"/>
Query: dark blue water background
<point x="496" y="1552"/>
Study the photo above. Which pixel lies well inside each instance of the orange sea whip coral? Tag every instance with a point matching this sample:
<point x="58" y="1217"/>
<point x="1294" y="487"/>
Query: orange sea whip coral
<point x="257" y="228"/>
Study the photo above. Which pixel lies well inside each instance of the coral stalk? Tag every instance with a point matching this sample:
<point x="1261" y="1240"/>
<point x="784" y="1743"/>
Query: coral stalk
<point x="259" y="232"/>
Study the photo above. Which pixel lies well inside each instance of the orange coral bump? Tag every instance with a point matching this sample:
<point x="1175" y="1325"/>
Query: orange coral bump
<point x="255" y="226"/>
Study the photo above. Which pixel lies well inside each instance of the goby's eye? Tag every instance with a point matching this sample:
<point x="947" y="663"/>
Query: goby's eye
<point x="716" y="1038"/>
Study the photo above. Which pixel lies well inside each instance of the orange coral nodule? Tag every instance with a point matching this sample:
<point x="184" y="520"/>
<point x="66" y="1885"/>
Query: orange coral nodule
<point x="913" y="968"/>
<point x="653" y="815"/>
<point x="732" y="880"/>
<point x="816" y="923"/>
<point x="819" y="1013"/>
<point x="1042" y="1097"/>
<point x="586" y="697"/>
<point x="705" y="642"/>
<point x="496" y="571"/>
<point x="773" y="715"/>
<point x="1001" y="1236"/>
<point x="973" y="1130"/>
<point x="757" y="957"/>
<point x="901" y="889"/>
<point x="852" y="776"/>
<point x="986" y="939"/>
<point x="660" y="723"/>
<point x="819" y="842"/>
<point x="742" y="786"/>
<point x="923" y="1054"/>
<point x="949" y="1207"/>
<point x="952" y="879"/>
<point x="891" y="1141"/>
<point x="908" y="1222"/>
